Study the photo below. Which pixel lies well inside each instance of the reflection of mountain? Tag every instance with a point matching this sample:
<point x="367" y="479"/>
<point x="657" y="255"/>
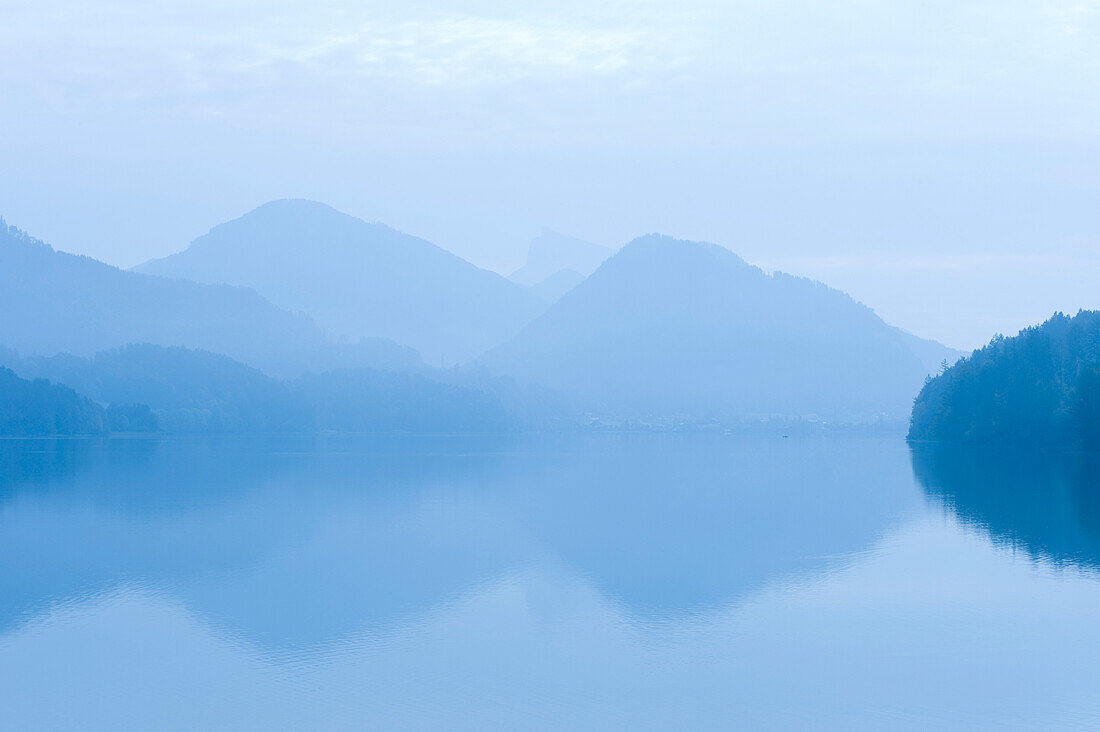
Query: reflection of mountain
<point x="1045" y="504"/>
<point x="296" y="541"/>
<point x="667" y="524"/>
<point x="290" y="541"/>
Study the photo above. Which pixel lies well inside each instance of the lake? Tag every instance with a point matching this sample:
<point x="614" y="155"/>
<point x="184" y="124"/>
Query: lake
<point x="592" y="581"/>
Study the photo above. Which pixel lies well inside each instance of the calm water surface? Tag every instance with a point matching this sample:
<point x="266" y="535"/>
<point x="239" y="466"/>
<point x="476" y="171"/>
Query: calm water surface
<point x="596" y="581"/>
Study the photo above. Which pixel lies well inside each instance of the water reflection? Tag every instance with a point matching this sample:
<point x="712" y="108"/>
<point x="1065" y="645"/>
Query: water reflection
<point x="1044" y="504"/>
<point x="670" y="526"/>
<point x="290" y="541"/>
<point x="294" y="542"/>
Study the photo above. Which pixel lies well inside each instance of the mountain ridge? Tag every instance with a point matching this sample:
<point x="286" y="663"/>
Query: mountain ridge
<point x="667" y="327"/>
<point x="358" y="279"/>
<point x="550" y="252"/>
<point x="59" y="302"/>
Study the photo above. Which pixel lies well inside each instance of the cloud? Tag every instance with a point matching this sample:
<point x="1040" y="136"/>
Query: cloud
<point x="766" y="70"/>
<point x="210" y="47"/>
<point x="464" y="49"/>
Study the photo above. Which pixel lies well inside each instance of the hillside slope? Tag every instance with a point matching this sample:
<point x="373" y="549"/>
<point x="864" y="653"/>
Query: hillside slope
<point x="55" y="302"/>
<point x="669" y="328"/>
<point x="38" y="408"/>
<point x="358" y="279"/>
<point x="1039" y="388"/>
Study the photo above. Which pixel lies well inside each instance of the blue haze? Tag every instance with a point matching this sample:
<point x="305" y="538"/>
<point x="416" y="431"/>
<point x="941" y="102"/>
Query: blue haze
<point x="663" y="333"/>
<point x="305" y="425"/>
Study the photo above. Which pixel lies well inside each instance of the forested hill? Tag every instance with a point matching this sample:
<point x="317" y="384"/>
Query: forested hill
<point x="149" y="388"/>
<point x="1041" y="387"/>
<point x="33" y="408"/>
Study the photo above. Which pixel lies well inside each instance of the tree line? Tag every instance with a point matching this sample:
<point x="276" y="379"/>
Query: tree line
<point x="1041" y="387"/>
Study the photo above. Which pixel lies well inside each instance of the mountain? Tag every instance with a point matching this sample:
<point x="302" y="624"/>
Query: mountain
<point x="1039" y="388"/>
<point x="178" y="389"/>
<point x="372" y="401"/>
<point x="932" y="354"/>
<point x="37" y="408"/>
<point x="550" y="254"/>
<point x="152" y="388"/>
<point x="55" y="302"/>
<point x="668" y="328"/>
<point x="381" y="354"/>
<point x="358" y="279"/>
<point x="553" y="287"/>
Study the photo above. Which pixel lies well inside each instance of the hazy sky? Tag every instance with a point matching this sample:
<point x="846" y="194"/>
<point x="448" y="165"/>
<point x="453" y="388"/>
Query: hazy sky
<point x="939" y="160"/>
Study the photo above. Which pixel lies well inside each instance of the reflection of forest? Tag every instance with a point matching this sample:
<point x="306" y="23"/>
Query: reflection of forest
<point x="1046" y="504"/>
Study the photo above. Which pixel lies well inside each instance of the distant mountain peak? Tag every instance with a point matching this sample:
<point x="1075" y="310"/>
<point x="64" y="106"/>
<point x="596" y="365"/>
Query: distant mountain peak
<point x="359" y="279"/>
<point x="681" y="249"/>
<point x="551" y="252"/>
<point x="296" y="214"/>
<point x="277" y="203"/>
<point x="673" y="328"/>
